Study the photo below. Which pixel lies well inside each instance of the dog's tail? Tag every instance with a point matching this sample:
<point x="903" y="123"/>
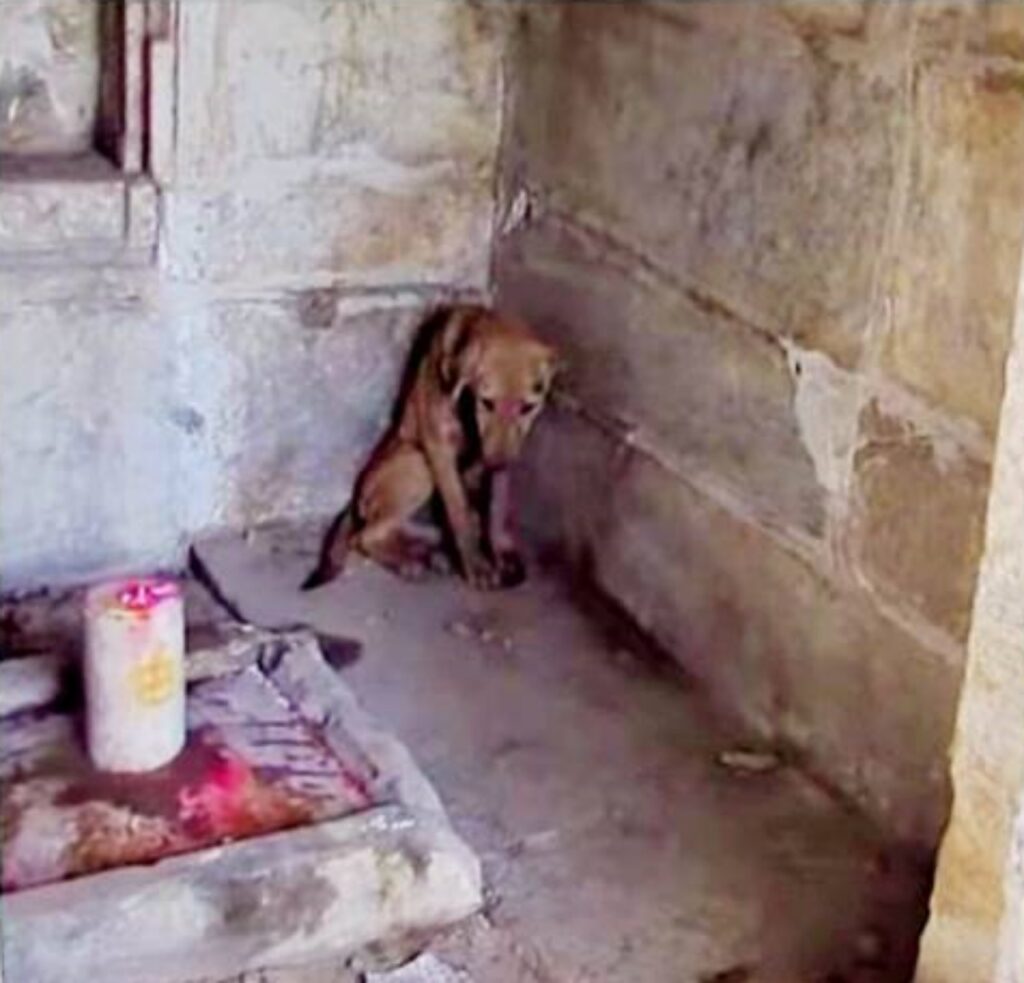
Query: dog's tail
<point x="334" y="551"/>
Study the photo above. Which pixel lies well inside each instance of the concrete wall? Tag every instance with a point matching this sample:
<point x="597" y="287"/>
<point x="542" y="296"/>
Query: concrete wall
<point x="217" y="344"/>
<point x="49" y="75"/>
<point x="976" y="930"/>
<point x="779" y="244"/>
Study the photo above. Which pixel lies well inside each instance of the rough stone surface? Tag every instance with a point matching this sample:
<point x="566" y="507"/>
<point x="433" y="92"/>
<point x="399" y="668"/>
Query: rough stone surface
<point x="286" y="898"/>
<point x="315" y="892"/>
<point x="89" y="454"/>
<point x="73" y="213"/>
<point x="919" y="519"/>
<point x="284" y="232"/>
<point x="159" y="421"/>
<point x="298" y="391"/>
<point x="977" y="910"/>
<point x="331" y="139"/>
<point x="972" y="26"/>
<point x="766" y="632"/>
<point x="221" y="346"/>
<point x="29" y="682"/>
<point x="959" y="249"/>
<point x="49" y="214"/>
<point x="731" y="162"/>
<point x="828" y="193"/>
<point x="399" y="85"/>
<point x="49" y="75"/>
<point x="426" y="969"/>
<point x="326" y="972"/>
<point x="711" y="391"/>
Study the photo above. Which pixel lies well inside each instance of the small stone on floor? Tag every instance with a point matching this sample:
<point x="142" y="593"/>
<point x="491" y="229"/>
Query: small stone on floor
<point x="426" y="969"/>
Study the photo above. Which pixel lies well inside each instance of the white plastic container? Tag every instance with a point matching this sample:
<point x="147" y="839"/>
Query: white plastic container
<point x="134" y="674"/>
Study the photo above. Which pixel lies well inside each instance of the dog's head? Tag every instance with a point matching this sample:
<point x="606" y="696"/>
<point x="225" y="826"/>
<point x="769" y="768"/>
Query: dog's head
<point x="506" y="373"/>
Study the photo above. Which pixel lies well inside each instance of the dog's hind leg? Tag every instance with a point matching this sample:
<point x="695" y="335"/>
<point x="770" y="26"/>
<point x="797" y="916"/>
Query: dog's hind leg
<point x="398" y="486"/>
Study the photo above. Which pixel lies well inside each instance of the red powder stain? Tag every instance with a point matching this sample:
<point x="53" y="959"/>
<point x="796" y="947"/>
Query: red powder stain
<point x="143" y="595"/>
<point x="214" y="805"/>
<point x="230" y="802"/>
<point x="207" y="796"/>
<point x="80" y="820"/>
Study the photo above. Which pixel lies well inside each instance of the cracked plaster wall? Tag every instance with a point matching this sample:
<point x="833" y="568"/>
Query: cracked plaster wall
<point x="779" y="244"/>
<point x="219" y="346"/>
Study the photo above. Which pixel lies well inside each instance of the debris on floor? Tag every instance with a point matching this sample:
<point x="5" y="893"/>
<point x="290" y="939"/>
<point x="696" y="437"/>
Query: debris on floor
<point x="746" y="762"/>
<point x="479" y="628"/>
<point x="735" y="974"/>
<point x="426" y="969"/>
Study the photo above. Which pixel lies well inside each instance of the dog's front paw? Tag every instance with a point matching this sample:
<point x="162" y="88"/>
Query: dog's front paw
<point x="413" y="569"/>
<point x="440" y="563"/>
<point x="481" y="574"/>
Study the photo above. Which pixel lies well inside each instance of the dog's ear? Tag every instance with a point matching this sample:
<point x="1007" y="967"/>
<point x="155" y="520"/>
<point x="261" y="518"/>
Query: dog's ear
<point x="459" y="354"/>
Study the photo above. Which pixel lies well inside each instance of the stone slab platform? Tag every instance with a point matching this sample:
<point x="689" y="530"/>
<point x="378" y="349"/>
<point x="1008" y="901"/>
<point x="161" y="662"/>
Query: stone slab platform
<point x="329" y="889"/>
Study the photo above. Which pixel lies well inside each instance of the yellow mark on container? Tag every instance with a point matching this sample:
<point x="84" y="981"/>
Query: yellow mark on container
<point x="153" y="677"/>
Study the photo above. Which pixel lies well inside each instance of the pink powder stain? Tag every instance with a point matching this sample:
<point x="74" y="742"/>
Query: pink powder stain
<point x="144" y="595"/>
<point x="217" y="804"/>
<point x="229" y="801"/>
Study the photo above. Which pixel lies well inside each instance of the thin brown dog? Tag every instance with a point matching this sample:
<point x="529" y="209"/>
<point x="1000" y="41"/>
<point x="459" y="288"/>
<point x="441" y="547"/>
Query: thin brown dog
<point x="476" y="387"/>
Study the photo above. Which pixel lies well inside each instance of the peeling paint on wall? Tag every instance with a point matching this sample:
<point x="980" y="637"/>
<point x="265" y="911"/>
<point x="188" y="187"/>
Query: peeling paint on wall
<point x="826" y="403"/>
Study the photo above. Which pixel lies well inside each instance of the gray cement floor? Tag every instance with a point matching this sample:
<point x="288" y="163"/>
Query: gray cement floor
<point x="616" y="845"/>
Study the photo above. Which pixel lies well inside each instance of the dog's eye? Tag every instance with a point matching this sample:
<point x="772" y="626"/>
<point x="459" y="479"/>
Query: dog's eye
<point x="487" y="404"/>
